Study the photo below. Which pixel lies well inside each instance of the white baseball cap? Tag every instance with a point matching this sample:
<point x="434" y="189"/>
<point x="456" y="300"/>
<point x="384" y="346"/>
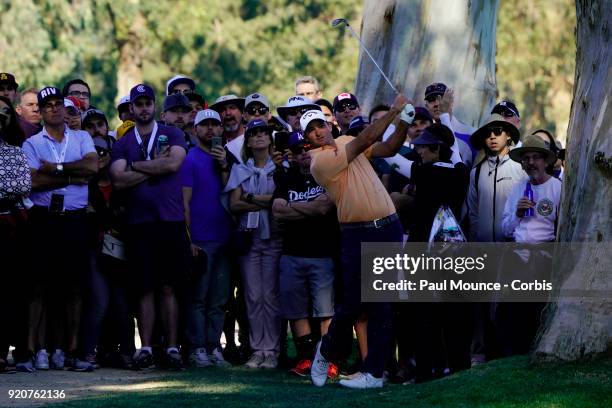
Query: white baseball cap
<point x="124" y="99"/>
<point x="256" y="97"/>
<point x="311" y="115"/>
<point x="296" y="102"/>
<point x="206" y="114"/>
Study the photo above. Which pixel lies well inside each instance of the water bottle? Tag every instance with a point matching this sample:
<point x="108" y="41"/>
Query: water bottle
<point x="162" y="144"/>
<point x="529" y="194"/>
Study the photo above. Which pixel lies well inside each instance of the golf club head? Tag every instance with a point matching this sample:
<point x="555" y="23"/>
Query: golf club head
<point x="339" y="21"/>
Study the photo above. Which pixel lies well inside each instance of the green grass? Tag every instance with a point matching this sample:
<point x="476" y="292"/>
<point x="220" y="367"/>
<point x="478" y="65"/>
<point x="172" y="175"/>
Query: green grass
<point x="503" y="383"/>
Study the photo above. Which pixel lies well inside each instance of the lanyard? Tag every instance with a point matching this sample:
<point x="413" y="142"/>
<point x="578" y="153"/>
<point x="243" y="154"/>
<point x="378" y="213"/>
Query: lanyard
<point x="59" y="158"/>
<point x="147" y="153"/>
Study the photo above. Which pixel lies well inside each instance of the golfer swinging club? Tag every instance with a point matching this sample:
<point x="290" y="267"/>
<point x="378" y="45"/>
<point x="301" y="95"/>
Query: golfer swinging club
<point x="366" y="214"/>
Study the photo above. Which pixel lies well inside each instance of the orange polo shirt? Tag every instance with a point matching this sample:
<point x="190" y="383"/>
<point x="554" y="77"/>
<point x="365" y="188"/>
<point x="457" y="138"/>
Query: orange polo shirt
<point x="354" y="187"/>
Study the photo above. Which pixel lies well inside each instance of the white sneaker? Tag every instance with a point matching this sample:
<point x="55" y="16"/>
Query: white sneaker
<point x="270" y="361"/>
<point x="362" y="382"/>
<point x="216" y="358"/>
<point x="255" y="361"/>
<point x="41" y="361"/>
<point x="318" y="370"/>
<point x="199" y="358"/>
<point x="58" y="359"/>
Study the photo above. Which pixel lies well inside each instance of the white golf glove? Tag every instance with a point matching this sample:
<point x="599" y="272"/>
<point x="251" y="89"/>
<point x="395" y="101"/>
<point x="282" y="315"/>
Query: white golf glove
<point x="407" y="114"/>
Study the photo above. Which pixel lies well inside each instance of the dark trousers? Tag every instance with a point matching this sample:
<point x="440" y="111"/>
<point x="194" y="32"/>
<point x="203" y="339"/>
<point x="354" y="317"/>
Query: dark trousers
<point x="443" y="334"/>
<point x="107" y="299"/>
<point x="61" y="267"/>
<point x="517" y="324"/>
<point x="15" y="281"/>
<point x="337" y="343"/>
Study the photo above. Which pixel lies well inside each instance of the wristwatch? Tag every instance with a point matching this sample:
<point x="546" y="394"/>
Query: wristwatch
<point x="249" y="198"/>
<point x="59" y="168"/>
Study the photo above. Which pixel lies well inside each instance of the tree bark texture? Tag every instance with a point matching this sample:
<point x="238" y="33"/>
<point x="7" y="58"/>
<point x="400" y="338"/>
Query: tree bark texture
<point x="581" y="328"/>
<point x="419" y="42"/>
<point x="128" y="29"/>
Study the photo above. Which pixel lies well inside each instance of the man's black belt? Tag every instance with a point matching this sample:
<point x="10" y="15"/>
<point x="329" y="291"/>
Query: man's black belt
<point x="379" y="223"/>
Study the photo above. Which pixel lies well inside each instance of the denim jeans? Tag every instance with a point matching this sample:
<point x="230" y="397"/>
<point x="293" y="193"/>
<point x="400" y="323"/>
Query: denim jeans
<point x="208" y="296"/>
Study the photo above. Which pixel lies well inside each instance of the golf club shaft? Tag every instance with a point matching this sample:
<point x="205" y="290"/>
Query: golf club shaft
<point x="371" y="58"/>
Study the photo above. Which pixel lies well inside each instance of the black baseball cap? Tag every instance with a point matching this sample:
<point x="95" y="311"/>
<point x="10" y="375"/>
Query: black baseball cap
<point x="506" y="108"/>
<point x="8" y="79"/>
<point x="47" y="93"/>
<point x="345" y="97"/>
<point x="435" y="89"/>
<point x="176" y="101"/>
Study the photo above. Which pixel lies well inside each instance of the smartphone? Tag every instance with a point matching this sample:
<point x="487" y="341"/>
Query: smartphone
<point x="281" y="141"/>
<point x="57" y="204"/>
<point x="101" y="151"/>
<point x="217" y="141"/>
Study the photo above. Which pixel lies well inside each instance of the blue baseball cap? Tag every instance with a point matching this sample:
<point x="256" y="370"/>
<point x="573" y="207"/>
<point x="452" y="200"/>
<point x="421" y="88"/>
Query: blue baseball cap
<point x="422" y="114"/>
<point x="357" y="124"/>
<point x="257" y="124"/>
<point x="427" y="138"/>
<point x="296" y="138"/>
<point x="141" y="90"/>
<point x="176" y="101"/>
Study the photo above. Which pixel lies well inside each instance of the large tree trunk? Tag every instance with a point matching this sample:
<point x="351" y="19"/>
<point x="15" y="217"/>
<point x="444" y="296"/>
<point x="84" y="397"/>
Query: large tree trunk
<point x="581" y="328"/>
<point x="419" y="42"/>
<point x="129" y="25"/>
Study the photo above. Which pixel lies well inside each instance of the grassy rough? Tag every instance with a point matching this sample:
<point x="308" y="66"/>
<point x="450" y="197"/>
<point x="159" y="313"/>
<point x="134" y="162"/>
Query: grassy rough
<point x="507" y="383"/>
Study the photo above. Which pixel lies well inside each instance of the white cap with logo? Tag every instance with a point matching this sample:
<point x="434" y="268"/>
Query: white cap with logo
<point x="309" y="116"/>
<point x="207" y="114"/>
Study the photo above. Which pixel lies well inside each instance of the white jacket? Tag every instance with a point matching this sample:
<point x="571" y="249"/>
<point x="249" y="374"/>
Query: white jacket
<point x="497" y="176"/>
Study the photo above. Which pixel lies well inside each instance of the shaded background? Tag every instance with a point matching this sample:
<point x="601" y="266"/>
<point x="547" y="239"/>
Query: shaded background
<point x="243" y="46"/>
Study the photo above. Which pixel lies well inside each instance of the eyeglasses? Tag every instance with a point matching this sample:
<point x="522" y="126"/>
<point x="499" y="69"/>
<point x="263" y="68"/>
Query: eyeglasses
<point x="262" y="111"/>
<point x="343" y="107"/>
<point x="4" y="88"/>
<point x="300" y="148"/>
<point x="296" y="111"/>
<point x="53" y="105"/>
<point x="79" y="94"/>
<point x="496" y="130"/>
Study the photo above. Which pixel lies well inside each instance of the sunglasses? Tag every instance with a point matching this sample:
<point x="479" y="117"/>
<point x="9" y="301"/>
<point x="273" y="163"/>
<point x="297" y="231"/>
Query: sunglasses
<point x="496" y="130"/>
<point x="296" y="111"/>
<point x="432" y="98"/>
<point x="79" y="94"/>
<point x="252" y="111"/>
<point x="300" y="148"/>
<point x="343" y="107"/>
<point x="507" y="114"/>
